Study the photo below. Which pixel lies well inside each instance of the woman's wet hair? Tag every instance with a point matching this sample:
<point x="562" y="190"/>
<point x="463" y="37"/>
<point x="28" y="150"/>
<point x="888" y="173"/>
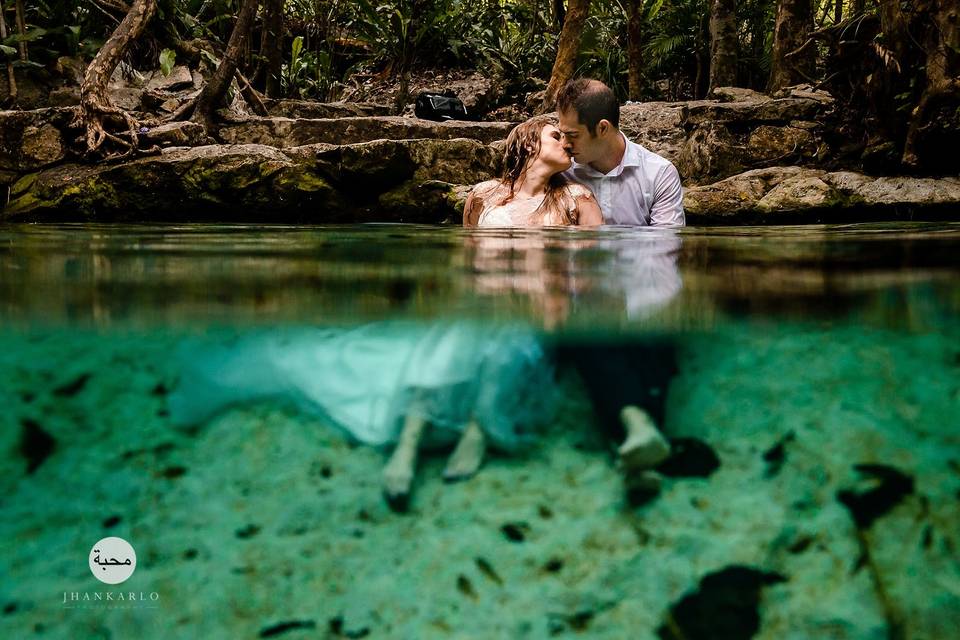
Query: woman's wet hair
<point x="523" y="147"/>
<point x="592" y="101"/>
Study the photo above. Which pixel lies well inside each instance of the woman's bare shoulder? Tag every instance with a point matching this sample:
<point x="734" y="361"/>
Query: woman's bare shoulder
<point x="486" y="187"/>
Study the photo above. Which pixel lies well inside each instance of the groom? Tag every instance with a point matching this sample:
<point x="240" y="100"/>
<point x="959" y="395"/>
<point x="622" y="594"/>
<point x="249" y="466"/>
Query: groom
<point x="632" y="184"/>
<point x="627" y="382"/>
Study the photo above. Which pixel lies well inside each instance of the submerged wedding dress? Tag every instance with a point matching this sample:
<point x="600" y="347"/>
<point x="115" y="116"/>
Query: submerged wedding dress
<point x="367" y="379"/>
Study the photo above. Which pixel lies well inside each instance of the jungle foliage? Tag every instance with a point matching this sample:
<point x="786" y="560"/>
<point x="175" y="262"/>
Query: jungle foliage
<point x="892" y="64"/>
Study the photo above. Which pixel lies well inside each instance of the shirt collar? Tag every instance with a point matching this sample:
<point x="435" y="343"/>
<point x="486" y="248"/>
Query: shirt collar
<point x="631" y="158"/>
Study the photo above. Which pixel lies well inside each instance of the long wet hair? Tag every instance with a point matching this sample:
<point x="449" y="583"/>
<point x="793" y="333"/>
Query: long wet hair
<point x="523" y="147"/>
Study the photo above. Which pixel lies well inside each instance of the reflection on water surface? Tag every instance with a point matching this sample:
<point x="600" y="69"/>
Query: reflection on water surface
<point x="614" y="278"/>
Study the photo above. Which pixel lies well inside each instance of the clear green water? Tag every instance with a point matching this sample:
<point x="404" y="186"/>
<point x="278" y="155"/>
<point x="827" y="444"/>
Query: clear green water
<point x="802" y="353"/>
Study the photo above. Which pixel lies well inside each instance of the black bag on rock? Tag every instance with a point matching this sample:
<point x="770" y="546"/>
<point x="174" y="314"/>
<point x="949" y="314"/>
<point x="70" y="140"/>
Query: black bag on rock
<point x="433" y="106"/>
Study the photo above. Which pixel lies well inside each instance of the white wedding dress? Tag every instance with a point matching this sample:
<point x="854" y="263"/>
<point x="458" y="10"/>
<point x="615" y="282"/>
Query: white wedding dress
<point x="366" y="379"/>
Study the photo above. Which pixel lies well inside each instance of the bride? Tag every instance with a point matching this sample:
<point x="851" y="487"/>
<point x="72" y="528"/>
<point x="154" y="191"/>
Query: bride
<point x="532" y="192"/>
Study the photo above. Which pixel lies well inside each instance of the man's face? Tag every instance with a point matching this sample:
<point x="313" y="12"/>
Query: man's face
<point x="577" y="140"/>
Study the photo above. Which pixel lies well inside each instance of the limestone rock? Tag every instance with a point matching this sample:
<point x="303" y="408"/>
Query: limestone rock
<point x="64" y="97"/>
<point x="286" y="132"/>
<point x="807" y="195"/>
<point x="382" y="180"/>
<point x="180" y="78"/>
<point x="32" y="139"/>
<point x="310" y="109"/>
<point x="655" y="125"/>
<point x="175" y="134"/>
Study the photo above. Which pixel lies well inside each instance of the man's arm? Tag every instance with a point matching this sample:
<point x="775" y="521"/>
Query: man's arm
<point x="667" y="209"/>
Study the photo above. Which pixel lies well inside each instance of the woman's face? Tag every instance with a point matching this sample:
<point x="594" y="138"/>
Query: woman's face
<point x="552" y="154"/>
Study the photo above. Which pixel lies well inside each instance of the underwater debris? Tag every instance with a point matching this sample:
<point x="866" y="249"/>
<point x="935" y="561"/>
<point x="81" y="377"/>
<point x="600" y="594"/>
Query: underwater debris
<point x="487" y="569"/>
<point x="878" y="490"/>
<point x="553" y="565"/>
<point x="725" y="605"/>
<point x="283" y="627"/>
<point x="172" y="472"/>
<point x="515" y="531"/>
<point x="73" y="387"/>
<point x="36" y="445"/>
<point x="465" y="587"/>
<point x="336" y="627"/>
<point x="248" y="531"/>
<point x="111" y="521"/>
<point x="776" y="455"/>
<point x="689" y="458"/>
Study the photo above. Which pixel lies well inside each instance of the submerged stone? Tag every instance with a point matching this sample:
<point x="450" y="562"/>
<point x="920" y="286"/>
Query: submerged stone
<point x="36" y="444"/>
<point x="879" y="489"/>
<point x="725" y="605"/>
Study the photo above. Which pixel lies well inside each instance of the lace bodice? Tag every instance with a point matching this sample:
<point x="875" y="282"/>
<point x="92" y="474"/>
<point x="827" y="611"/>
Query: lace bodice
<point x="486" y="197"/>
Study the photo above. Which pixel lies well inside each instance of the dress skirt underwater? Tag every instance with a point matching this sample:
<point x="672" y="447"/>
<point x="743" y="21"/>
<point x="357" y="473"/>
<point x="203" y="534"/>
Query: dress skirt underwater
<point x="366" y="379"/>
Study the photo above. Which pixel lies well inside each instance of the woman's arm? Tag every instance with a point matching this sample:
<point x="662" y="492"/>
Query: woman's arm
<point x="472" y="209"/>
<point x="588" y="211"/>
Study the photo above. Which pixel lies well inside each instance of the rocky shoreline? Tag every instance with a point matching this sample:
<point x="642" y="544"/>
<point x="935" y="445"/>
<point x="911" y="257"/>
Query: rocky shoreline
<point x="746" y="158"/>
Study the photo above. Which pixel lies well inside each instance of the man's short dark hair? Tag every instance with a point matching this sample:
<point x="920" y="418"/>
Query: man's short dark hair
<point x="592" y="100"/>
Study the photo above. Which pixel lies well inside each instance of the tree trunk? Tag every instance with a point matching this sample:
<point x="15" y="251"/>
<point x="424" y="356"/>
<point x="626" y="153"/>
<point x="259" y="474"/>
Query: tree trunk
<point x="837" y="11"/>
<point x="934" y="130"/>
<point x="567" y="50"/>
<point x="792" y="28"/>
<point x="857" y="6"/>
<point x="723" y="43"/>
<point x="216" y="88"/>
<point x="95" y="105"/>
<point x="559" y="13"/>
<point x="22" y="30"/>
<point x="11" y="98"/>
<point x="271" y="46"/>
<point x="634" y="48"/>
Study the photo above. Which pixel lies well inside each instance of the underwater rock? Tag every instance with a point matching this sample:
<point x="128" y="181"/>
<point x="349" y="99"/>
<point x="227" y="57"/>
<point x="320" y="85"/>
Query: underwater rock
<point x="725" y="605"/>
<point x="879" y="489"/>
<point x="689" y="458"/>
<point x="36" y="445"/>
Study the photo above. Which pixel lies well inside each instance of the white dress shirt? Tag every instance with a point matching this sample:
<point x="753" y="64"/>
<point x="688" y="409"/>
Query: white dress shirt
<point x="644" y="189"/>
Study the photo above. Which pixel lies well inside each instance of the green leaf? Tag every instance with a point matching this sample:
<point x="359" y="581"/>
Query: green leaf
<point x="167" y="58"/>
<point x="29" y="36"/>
<point x="10" y="51"/>
<point x="296" y="49"/>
